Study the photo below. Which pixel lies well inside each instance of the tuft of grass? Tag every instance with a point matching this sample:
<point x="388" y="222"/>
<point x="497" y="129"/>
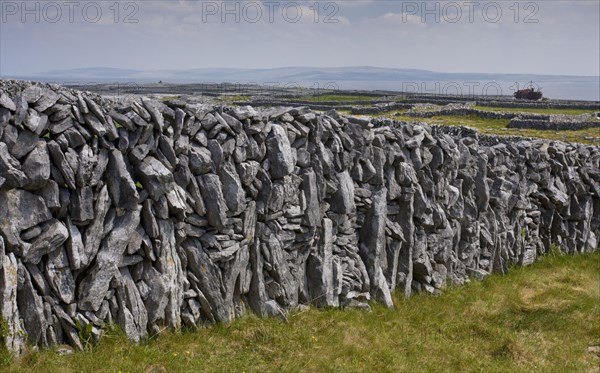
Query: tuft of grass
<point x="543" y="318"/>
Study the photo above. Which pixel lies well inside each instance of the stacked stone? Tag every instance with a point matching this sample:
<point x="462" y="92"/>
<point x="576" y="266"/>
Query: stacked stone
<point x="552" y="122"/>
<point x="555" y="122"/>
<point x="544" y="104"/>
<point x="150" y="214"/>
<point x="460" y="110"/>
<point x="380" y="108"/>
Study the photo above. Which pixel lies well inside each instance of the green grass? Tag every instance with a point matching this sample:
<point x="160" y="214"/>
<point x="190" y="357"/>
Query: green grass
<point x="534" y="110"/>
<point x="500" y="127"/>
<point x="484" y="125"/>
<point x="337" y="98"/>
<point x="537" y="319"/>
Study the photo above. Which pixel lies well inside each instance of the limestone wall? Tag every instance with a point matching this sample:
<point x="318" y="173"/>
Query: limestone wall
<point x="148" y="214"/>
<point x="554" y="124"/>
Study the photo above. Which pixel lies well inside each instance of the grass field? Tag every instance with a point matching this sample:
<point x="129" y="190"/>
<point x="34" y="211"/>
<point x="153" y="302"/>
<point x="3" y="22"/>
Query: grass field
<point x="337" y="98"/>
<point x="544" y="318"/>
<point x="500" y="127"/>
<point x="534" y="110"/>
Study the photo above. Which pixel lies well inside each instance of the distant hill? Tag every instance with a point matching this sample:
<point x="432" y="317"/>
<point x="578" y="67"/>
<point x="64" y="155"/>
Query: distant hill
<point x="356" y="77"/>
<point x="366" y="73"/>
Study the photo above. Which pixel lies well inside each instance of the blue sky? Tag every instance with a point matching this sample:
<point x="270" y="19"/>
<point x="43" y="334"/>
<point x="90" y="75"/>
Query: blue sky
<point x="543" y="37"/>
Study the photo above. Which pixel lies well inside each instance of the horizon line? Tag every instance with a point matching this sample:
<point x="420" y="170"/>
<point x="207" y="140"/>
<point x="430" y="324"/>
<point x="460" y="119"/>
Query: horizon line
<point x="41" y="74"/>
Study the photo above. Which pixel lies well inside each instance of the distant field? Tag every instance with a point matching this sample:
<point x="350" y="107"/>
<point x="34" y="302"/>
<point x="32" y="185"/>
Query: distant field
<point x="535" y="110"/>
<point x="500" y="127"/>
<point x="336" y="98"/>
<point x="543" y="318"/>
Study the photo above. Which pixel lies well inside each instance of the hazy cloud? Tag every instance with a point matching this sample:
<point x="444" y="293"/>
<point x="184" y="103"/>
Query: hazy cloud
<point x="557" y="37"/>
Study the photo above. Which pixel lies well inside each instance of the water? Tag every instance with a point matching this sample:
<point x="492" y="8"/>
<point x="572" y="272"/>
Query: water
<point x="565" y="89"/>
<point x="554" y="87"/>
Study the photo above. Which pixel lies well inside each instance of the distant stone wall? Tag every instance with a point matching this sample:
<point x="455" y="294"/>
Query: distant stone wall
<point x="275" y="103"/>
<point x="148" y="215"/>
<point x="518" y="119"/>
<point x="553" y="104"/>
<point x="380" y="108"/>
<point x="460" y="111"/>
<point x="551" y="125"/>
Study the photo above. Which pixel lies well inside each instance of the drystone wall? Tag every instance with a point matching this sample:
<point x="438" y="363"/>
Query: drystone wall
<point x="555" y="123"/>
<point x="543" y="104"/>
<point x="378" y="109"/>
<point x="459" y="110"/>
<point x="149" y="214"/>
<point x="549" y="122"/>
